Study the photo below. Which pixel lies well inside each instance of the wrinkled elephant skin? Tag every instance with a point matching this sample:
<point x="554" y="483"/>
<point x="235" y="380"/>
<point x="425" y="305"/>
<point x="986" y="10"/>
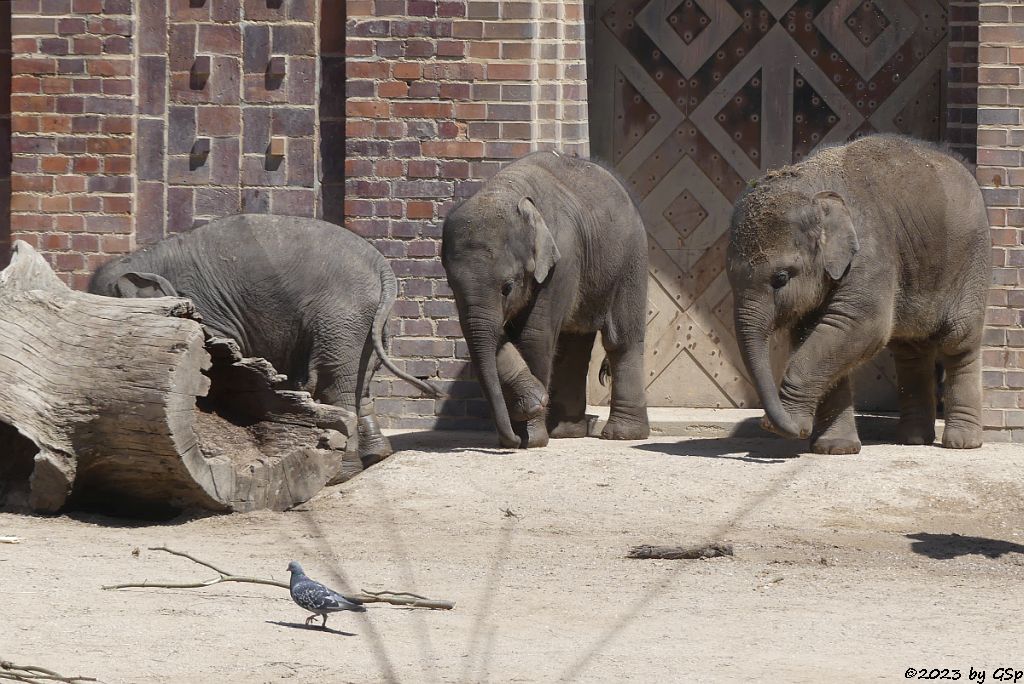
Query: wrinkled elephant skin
<point x="882" y="241"/>
<point x="550" y="251"/>
<point x="310" y="297"/>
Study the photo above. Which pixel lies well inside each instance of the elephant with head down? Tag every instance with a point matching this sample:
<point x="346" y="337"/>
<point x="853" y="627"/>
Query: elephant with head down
<point x="550" y="251"/>
<point x="882" y="241"/>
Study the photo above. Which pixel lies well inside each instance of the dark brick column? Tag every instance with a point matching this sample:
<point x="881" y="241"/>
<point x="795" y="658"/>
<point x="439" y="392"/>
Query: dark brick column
<point x="5" y="131"/>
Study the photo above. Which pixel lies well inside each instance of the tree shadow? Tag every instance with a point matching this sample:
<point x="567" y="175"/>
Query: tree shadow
<point x="761" y="450"/>
<point x="315" y="628"/>
<point x="949" y="546"/>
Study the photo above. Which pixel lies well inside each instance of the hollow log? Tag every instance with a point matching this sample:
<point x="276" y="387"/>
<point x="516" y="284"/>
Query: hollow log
<point x="126" y="404"/>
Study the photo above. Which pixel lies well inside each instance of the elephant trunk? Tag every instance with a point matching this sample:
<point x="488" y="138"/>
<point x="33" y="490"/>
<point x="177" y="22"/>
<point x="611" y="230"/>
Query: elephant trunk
<point x="753" y="332"/>
<point x="482" y="336"/>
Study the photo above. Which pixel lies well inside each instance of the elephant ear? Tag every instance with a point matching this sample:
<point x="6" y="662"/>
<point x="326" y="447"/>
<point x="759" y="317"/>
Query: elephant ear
<point x="837" y="238"/>
<point x="545" y="251"/>
<point x="139" y="285"/>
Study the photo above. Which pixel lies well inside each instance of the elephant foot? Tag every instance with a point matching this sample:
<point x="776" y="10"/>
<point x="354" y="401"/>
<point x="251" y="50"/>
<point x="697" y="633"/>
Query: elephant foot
<point x="957" y="437"/>
<point x="524" y="407"/>
<point x="620" y="427"/>
<point x="532" y="433"/>
<point x="835" y="445"/>
<point x="567" y="428"/>
<point x="374" y="447"/>
<point x="915" y="433"/>
<point x="803" y="428"/>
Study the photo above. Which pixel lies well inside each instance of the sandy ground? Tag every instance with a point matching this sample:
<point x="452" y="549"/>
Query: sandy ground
<point x="847" y="568"/>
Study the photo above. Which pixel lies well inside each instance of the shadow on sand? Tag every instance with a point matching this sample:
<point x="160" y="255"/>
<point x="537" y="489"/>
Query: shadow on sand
<point x="762" y="450"/>
<point x="313" y="628"/>
<point x="949" y="546"/>
<point x="439" y="441"/>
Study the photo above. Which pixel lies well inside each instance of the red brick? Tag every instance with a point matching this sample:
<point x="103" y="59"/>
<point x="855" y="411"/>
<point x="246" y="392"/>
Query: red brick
<point x="422" y="110"/>
<point x="452" y="148"/>
<point x="407" y="71"/>
<point x="392" y="89"/>
<point x="419" y="210"/>
<point x="367" y="108"/>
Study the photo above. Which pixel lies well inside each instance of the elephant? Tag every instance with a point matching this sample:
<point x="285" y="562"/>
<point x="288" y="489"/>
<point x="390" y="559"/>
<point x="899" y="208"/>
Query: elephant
<point x="547" y="253"/>
<point x="881" y="241"/>
<point x="310" y="297"/>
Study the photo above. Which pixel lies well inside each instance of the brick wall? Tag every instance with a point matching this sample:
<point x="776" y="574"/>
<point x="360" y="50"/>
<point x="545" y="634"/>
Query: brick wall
<point x="72" y="102"/>
<point x="134" y="119"/>
<point x="440" y="94"/>
<point x="227" y="111"/>
<point x="1001" y="173"/>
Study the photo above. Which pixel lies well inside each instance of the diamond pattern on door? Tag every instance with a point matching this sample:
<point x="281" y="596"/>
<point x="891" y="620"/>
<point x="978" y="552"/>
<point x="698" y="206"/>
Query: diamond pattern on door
<point x="691" y="98"/>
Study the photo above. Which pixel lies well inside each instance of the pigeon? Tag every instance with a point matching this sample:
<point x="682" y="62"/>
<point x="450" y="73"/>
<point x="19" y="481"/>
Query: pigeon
<point x="317" y="598"/>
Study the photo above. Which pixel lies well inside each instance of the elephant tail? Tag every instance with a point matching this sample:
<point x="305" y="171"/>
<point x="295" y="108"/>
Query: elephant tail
<point x="388" y="294"/>
<point x="604" y="372"/>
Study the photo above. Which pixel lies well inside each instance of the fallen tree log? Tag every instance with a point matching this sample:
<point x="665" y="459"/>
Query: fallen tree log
<point x="128" y="403"/>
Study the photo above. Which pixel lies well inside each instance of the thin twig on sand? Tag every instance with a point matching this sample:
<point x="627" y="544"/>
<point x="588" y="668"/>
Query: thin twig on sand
<point x="395" y="598"/>
<point x="34" y="674"/>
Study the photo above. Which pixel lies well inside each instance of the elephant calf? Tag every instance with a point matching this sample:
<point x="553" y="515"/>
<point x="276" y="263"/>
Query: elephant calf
<point x="548" y="252"/>
<point x="884" y="240"/>
<point x="310" y="297"/>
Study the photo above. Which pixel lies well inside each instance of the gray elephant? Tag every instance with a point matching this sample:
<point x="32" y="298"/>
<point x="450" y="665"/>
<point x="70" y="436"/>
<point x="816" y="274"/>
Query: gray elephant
<point x="881" y="241"/>
<point x="310" y="297"/>
<point x="548" y="252"/>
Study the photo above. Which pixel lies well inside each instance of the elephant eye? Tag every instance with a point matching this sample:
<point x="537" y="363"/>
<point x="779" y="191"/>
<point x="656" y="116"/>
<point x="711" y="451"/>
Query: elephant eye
<point x="506" y="289"/>
<point x="780" y="279"/>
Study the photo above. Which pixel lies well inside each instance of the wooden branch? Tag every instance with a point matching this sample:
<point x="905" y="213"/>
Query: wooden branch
<point x="395" y="598"/>
<point x="402" y="598"/>
<point x="34" y="674"/>
<point x="712" y="550"/>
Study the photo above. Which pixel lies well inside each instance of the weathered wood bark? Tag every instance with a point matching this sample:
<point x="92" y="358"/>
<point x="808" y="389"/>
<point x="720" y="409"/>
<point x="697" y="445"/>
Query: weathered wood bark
<point x="112" y="402"/>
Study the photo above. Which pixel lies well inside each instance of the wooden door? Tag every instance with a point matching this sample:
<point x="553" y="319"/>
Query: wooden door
<point x="691" y="98"/>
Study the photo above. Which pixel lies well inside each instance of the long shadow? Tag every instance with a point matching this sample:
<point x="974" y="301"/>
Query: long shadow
<point x="765" y="451"/>
<point x="949" y="546"/>
<point x="448" y="441"/>
<point x="314" y="628"/>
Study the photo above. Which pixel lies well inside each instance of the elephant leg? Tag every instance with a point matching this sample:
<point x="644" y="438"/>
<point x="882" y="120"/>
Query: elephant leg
<point x="525" y="397"/>
<point x="568" y="408"/>
<point x="344" y="380"/>
<point x="823" y="358"/>
<point x="835" y="430"/>
<point x="915" y="375"/>
<point x="962" y="400"/>
<point x="374" y="447"/>
<point x="628" y="416"/>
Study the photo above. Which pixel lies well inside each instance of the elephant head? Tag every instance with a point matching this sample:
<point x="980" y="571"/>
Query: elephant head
<point x="788" y="250"/>
<point x="496" y="249"/>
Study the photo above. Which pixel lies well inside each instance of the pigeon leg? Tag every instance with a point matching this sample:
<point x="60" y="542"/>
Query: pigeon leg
<point x="311" y="618"/>
<point x="324" y="625"/>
